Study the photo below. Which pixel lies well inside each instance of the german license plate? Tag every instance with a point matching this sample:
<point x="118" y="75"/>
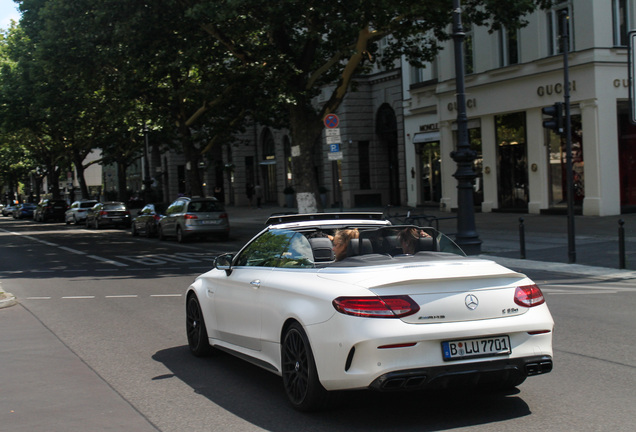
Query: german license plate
<point x="472" y="348"/>
<point x="116" y="219"/>
<point x="209" y="222"/>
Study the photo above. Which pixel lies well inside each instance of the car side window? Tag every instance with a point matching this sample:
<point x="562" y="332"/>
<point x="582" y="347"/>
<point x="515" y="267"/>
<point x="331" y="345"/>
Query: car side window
<point x="175" y="207"/>
<point x="277" y="248"/>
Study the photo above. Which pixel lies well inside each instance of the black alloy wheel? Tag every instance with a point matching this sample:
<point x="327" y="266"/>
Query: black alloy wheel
<point x="195" y="328"/>
<point x="300" y="377"/>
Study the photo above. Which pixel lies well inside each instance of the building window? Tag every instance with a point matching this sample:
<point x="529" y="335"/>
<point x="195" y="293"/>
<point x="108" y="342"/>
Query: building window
<point x="469" y="58"/>
<point x="364" y="165"/>
<point x="620" y="15"/>
<point x="555" y="28"/>
<point x="508" y="47"/>
<point x="425" y="74"/>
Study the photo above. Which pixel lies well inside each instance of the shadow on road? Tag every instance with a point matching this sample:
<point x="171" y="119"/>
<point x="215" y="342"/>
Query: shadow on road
<point x="257" y="396"/>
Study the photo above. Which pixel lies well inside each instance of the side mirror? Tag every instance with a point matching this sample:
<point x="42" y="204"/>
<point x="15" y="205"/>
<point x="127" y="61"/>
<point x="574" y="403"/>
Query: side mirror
<point x="224" y="262"/>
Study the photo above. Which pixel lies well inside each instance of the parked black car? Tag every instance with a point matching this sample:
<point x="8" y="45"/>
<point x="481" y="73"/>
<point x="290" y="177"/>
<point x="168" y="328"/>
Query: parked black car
<point x="147" y="219"/>
<point x="108" y="213"/>
<point x="50" y="209"/>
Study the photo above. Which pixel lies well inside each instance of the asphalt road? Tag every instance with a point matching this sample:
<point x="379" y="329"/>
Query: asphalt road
<point x="102" y="347"/>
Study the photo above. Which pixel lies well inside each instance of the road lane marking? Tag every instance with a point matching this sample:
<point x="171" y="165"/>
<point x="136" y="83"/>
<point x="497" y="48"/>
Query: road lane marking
<point x="122" y="296"/>
<point x="75" y="251"/>
<point x="166" y="295"/>
<point x="107" y="261"/>
<point x="77" y="297"/>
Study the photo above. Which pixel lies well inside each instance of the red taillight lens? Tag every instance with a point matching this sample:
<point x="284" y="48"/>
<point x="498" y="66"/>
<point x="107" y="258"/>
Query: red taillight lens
<point x="157" y="217"/>
<point x="376" y="307"/>
<point x="529" y="296"/>
<point x="103" y="213"/>
<point x="223" y="216"/>
<point x="191" y="216"/>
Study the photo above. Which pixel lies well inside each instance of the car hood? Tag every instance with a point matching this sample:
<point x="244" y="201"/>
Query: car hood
<point x="446" y="290"/>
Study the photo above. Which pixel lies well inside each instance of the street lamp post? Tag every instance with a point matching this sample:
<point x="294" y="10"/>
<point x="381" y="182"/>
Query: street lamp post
<point x="466" y="237"/>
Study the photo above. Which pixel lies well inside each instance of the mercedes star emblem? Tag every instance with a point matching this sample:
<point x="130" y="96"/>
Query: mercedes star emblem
<point x="472" y="301"/>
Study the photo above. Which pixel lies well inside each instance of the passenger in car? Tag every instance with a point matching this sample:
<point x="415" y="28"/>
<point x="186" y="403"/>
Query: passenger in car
<point x="341" y="241"/>
<point x="409" y="238"/>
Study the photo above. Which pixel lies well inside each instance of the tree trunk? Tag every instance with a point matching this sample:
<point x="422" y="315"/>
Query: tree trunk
<point x="306" y="133"/>
<point x="121" y="182"/>
<point x="78" y="161"/>
<point x="193" y="157"/>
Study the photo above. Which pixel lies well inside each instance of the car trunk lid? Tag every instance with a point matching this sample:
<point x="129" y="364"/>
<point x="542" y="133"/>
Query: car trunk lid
<point x="464" y="289"/>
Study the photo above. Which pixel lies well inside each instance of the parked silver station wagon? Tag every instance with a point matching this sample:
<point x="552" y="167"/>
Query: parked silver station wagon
<point x="190" y="217"/>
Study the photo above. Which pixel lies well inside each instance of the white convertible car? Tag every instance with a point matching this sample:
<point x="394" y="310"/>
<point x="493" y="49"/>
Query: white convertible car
<point x="379" y="318"/>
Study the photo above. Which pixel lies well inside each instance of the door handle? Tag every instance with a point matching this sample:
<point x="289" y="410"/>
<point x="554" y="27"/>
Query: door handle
<point x="256" y="284"/>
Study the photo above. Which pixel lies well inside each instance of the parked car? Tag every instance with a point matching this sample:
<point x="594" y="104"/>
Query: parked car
<point x="147" y="219"/>
<point x="8" y="210"/>
<point x="50" y="209"/>
<point x="24" y="211"/>
<point x="378" y="318"/>
<point x="76" y="213"/>
<point x="188" y="217"/>
<point x="111" y="213"/>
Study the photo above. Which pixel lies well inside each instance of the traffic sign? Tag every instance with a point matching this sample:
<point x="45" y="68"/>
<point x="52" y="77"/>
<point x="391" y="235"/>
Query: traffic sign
<point x="331" y="121"/>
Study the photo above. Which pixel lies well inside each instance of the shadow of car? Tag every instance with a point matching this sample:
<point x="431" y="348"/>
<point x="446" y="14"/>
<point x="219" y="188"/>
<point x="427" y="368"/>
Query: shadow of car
<point x="24" y="211"/>
<point x="50" y="209"/>
<point x="112" y="213"/>
<point x="146" y="221"/>
<point x="78" y="210"/>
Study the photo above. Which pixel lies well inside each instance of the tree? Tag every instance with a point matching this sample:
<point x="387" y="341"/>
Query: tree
<point x="300" y="48"/>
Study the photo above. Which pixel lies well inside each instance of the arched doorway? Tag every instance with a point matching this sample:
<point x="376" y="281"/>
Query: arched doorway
<point x="386" y="129"/>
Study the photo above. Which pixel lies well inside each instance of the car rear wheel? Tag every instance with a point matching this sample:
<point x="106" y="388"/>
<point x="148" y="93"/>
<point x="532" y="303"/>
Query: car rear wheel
<point x="160" y="233"/>
<point x="300" y="377"/>
<point x="195" y="328"/>
<point x="148" y="231"/>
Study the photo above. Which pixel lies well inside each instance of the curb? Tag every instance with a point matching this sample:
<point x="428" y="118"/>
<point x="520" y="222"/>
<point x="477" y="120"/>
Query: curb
<point x="7" y="300"/>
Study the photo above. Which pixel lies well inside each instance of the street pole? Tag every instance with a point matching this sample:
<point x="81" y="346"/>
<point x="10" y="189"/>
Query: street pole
<point x="568" y="137"/>
<point x="466" y="237"/>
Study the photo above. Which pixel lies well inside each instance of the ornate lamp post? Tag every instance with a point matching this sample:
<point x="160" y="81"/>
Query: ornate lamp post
<point x="466" y="237"/>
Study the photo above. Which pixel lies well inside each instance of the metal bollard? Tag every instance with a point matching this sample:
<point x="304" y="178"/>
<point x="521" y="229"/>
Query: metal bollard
<point x="522" y="239"/>
<point x="621" y="244"/>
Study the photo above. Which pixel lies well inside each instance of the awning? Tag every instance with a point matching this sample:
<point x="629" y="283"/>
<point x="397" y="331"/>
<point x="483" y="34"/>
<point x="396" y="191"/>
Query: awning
<point x="426" y="137"/>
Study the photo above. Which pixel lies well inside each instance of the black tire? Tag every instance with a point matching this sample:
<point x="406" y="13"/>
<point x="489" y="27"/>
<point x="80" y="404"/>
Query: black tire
<point x="300" y="377"/>
<point x="133" y="230"/>
<point x="160" y="234"/>
<point x="95" y="224"/>
<point x="148" y="231"/>
<point x="198" y="341"/>
<point x="180" y="236"/>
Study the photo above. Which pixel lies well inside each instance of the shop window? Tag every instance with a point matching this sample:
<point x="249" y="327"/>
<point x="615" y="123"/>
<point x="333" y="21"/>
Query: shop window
<point x="512" y="161"/>
<point x="558" y="165"/>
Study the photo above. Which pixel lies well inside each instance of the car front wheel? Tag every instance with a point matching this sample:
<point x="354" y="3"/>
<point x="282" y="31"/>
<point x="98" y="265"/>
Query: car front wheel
<point x="195" y="328"/>
<point x="300" y="377"/>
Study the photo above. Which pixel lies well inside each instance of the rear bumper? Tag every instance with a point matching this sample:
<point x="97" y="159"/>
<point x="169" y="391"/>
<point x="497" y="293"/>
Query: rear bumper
<point x="505" y="371"/>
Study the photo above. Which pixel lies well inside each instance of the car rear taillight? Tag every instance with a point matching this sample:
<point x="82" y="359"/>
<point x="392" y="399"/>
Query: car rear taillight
<point x="529" y="296"/>
<point x="223" y="216"/>
<point x="157" y="217"/>
<point x="376" y="307"/>
<point x="190" y="216"/>
<point x="103" y="213"/>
